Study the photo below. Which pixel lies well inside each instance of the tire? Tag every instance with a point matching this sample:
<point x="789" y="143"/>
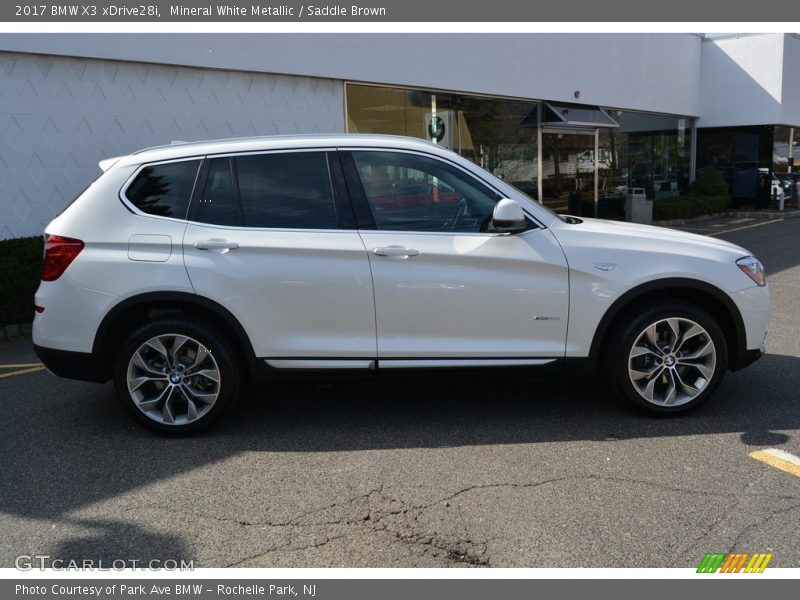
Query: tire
<point x="177" y="376"/>
<point x="668" y="358"/>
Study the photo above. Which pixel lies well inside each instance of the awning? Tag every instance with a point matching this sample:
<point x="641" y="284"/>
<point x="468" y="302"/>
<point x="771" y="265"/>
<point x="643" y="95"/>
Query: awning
<point x="567" y="114"/>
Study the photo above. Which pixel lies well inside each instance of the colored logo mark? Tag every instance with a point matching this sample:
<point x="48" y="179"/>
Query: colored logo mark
<point x="734" y="562"/>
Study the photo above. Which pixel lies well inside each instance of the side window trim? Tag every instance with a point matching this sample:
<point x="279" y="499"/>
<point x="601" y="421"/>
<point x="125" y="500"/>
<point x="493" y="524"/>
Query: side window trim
<point x="237" y="199"/>
<point x="363" y="213"/>
<point x="135" y="210"/>
<point x="197" y="191"/>
<point x="345" y="212"/>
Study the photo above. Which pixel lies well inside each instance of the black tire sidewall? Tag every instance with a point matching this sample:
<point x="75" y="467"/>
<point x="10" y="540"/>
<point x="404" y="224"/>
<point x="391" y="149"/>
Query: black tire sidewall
<point x="222" y="351"/>
<point x="620" y="351"/>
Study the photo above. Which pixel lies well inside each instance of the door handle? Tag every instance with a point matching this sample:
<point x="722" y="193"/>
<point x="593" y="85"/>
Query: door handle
<point x="215" y="244"/>
<point x="399" y="251"/>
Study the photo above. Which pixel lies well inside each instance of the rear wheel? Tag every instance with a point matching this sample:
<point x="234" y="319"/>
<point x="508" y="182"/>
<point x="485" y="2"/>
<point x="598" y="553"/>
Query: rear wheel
<point x="177" y="376"/>
<point x="668" y="358"/>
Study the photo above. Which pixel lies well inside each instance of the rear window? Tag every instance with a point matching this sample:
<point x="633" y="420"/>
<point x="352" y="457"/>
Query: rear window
<point x="164" y="190"/>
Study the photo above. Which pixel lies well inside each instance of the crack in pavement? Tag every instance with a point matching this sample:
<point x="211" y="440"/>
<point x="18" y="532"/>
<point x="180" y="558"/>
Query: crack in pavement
<point x="760" y="522"/>
<point x="285" y="548"/>
<point x="455" y="549"/>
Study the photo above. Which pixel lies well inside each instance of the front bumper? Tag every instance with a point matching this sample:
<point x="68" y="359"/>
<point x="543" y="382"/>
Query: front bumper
<point x="754" y="308"/>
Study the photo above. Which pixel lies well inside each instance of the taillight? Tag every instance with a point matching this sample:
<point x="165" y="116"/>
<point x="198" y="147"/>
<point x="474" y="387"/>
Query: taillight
<point x="59" y="252"/>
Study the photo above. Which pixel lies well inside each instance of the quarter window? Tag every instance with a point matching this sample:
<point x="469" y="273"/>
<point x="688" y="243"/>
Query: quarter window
<point x="164" y="190"/>
<point x="409" y="192"/>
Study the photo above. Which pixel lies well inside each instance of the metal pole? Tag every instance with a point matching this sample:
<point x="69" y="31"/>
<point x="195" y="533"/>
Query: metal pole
<point x="693" y="151"/>
<point x="432" y="132"/>
<point x="539" y="186"/>
<point x="596" y="171"/>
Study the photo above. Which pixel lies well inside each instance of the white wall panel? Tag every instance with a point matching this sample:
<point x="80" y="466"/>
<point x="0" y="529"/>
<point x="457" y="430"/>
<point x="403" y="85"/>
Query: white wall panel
<point x="59" y="116"/>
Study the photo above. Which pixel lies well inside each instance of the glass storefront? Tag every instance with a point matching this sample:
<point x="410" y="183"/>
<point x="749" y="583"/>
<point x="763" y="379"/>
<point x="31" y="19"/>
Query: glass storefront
<point x="591" y="155"/>
<point x="487" y="131"/>
<point x="744" y="156"/>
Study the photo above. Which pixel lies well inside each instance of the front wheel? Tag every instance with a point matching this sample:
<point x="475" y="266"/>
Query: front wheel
<point x="669" y="358"/>
<point x="176" y="376"/>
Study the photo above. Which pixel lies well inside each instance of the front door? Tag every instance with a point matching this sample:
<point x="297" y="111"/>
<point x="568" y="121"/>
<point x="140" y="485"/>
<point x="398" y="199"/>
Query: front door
<point x="446" y="285"/>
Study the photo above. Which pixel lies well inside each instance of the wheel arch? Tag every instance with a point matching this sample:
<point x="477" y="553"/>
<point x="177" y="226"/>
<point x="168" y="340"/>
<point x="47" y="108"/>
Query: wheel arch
<point x="131" y="312"/>
<point x="700" y="293"/>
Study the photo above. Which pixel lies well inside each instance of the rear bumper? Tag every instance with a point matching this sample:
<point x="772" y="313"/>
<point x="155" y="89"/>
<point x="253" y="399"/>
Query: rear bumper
<point x="72" y="365"/>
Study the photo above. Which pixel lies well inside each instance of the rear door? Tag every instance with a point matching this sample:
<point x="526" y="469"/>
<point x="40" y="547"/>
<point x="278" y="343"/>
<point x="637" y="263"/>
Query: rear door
<point x="271" y="237"/>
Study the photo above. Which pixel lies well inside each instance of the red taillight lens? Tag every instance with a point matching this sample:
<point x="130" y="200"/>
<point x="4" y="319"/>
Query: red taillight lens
<point x="59" y="252"/>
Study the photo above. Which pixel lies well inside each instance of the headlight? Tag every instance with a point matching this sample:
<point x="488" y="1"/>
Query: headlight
<point x="753" y="268"/>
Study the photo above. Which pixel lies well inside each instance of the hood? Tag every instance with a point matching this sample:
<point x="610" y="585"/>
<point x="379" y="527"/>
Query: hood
<point x="651" y="232"/>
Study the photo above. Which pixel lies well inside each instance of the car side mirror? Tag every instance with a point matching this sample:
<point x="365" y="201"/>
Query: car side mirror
<point x="508" y="216"/>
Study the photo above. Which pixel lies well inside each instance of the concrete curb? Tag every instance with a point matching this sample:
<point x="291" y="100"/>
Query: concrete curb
<point x="771" y="215"/>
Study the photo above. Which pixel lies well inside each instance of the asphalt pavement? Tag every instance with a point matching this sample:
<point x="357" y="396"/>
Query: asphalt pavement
<point x="437" y="471"/>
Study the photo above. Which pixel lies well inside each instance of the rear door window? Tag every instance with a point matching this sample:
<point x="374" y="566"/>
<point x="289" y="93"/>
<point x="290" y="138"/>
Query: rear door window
<point x="286" y="190"/>
<point x="281" y="190"/>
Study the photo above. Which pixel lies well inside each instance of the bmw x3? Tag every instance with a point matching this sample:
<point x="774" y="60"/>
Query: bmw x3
<point x="185" y="271"/>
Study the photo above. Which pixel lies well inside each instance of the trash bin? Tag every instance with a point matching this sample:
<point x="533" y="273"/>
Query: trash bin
<point x="638" y="209"/>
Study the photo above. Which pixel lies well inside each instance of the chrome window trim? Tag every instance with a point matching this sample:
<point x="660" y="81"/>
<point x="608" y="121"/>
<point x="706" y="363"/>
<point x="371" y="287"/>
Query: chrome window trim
<point x="273" y="151"/>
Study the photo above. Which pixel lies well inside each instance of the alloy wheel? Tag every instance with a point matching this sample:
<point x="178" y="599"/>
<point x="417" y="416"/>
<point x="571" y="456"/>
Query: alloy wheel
<point x="672" y="361"/>
<point x="173" y="379"/>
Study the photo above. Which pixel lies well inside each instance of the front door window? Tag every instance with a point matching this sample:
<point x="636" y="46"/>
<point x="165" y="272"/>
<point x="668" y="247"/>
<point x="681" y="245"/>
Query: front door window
<point x="409" y="192"/>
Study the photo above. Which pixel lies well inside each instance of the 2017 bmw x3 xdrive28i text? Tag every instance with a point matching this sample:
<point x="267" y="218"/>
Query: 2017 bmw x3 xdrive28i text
<point x="185" y="269"/>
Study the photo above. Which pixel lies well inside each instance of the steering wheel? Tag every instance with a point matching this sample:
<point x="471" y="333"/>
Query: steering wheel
<point x="461" y="210"/>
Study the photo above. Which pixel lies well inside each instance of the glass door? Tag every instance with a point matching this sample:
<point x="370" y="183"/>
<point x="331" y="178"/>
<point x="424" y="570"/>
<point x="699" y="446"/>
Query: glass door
<point x="569" y="169"/>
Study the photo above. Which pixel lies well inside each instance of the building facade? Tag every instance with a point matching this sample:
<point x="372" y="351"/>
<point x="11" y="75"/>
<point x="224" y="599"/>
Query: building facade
<point x="571" y="119"/>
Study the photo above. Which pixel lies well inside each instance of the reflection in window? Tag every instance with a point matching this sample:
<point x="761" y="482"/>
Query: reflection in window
<point x="408" y="192"/>
<point x="217" y="205"/>
<point x="164" y="189"/>
<point x="286" y="190"/>
<point x="744" y="157"/>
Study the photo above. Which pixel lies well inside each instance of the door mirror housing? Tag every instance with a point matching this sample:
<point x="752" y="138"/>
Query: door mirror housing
<point x="508" y="216"/>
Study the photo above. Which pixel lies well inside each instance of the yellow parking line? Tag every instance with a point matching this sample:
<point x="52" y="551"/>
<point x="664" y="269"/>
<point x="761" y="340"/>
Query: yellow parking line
<point x="22" y="372"/>
<point x="20" y="366"/>
<point x="779" y="459"/>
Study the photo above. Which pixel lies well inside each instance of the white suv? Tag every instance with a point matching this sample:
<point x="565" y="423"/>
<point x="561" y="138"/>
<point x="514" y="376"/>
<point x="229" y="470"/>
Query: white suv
<point x="184" y="270"/>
